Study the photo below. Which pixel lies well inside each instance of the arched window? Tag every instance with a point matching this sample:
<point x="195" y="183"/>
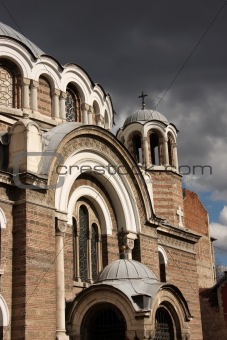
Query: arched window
<point x="44" y="97"/>
<point x="86" y="246"/>
<point x="72" y="104"/>
<point x="162" y="267"/>
<point x="156" y="149"/>
<point x="137" y="149"/>
<point x="83" y="236"/>
<point x="164" y="328"/>
<point x="10" y="84"/>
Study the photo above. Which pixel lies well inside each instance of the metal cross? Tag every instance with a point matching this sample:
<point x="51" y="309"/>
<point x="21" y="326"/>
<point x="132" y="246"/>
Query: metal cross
<point x="143" y="95"/>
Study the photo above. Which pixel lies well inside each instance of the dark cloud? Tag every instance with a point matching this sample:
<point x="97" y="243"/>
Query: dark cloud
<point x="130" y="46"/>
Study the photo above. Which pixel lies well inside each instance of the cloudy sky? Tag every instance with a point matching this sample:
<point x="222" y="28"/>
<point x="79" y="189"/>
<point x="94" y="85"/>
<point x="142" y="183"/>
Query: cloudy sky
<point x="130" y="46"/>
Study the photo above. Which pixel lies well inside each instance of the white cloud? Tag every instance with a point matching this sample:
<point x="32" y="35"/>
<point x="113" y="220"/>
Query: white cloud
<point x="219" y="230"/>
<point x="223" y="215"/>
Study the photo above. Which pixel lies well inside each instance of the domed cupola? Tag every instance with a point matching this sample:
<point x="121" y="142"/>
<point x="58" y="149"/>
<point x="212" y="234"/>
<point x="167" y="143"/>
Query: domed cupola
<point x="7" y="31"/>
<point x="125" y="269"/>
<point x="150" y="138"/>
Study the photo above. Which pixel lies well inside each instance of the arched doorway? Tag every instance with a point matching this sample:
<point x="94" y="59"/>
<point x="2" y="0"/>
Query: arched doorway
<point x="164" y="326"/>
<point x="103" y="322"/>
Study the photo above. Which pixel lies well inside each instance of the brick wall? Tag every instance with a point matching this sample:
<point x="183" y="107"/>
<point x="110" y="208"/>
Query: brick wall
<point x="34" y="289"/>
<point x="6" y="262"/>
<point x="195" y="215"/>
<point x="167" y="193"/>
<point x="44" y="97"/>
<point x="196" y="219"/>
<point x="181" y="271"/>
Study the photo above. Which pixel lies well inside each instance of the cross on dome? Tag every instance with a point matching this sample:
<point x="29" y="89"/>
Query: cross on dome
<point x="142" y="96"/>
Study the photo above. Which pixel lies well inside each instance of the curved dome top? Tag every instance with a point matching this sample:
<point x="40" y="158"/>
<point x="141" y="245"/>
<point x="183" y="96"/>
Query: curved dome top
<point x="125" y="269"/>
<point x="145" y="115"/>
<point x="7" y="31"/>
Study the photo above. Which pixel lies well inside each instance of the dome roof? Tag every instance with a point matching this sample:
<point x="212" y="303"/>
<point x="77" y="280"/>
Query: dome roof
<point x="7" y="31"/>
<point x="145" y="115"/>
<point x="125" y="269"/>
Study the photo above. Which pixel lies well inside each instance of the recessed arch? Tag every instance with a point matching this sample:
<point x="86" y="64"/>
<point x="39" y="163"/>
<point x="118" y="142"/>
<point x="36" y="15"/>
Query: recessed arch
<point x="5" y="312"/>
<point x="116" y="184"/>
<point x="103" y="321"/>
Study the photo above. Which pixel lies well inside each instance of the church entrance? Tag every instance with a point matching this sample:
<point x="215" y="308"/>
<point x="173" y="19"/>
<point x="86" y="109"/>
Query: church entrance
<point x="164" y="328"/>
<point x="103" y="322"/>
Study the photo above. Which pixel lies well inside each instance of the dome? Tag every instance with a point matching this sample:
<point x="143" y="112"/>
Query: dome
<point x="144" y="115"/>
<point x="125" y="269"/>
<point x="7" y="31"/>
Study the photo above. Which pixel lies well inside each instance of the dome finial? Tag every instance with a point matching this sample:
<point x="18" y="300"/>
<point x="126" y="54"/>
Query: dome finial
<point x="143" y="95"/>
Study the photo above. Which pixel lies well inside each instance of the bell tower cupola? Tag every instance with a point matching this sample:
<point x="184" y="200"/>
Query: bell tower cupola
<point x="150" y="138"/>
<point x="152" y="141"/>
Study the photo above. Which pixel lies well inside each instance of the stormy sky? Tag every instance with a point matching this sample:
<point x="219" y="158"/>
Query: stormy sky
<point x="130" y="46"/>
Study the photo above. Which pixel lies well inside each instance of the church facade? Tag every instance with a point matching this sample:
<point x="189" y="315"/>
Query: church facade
<point x="97" y="238"/>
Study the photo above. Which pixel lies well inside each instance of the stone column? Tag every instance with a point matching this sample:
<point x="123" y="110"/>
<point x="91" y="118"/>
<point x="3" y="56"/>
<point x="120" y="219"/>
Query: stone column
<point x="130" y="239"/>
<point x="60" y="228"/>
<point x="89" y="269"/>
<point x="98" y="119"/>
<point x="63" y="96"/>
<point x="85" y="108"/>
<point x="175" y="158"/>
<point x="166" y="152"/>
<point x="34" y="95"/>
<point x="55" y="101"/>
<point x="25" y="94"/>
<point x="146" y="152"/>
<point x="90" y="112"/>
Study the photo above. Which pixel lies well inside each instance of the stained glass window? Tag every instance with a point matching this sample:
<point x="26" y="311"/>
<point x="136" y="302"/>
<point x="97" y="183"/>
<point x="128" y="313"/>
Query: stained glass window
<point x="6" y="87"/>
<point x="70" y="106"/>
<point x="83" y="263"/>
<point x="94" y="259"/>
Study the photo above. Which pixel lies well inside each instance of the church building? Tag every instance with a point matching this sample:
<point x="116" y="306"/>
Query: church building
<point x="98" y="241"/>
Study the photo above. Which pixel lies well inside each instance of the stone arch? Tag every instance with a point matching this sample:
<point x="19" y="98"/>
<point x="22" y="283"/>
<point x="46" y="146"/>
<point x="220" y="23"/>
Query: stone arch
<point x="102" y="320"/>
<point x="5" y="312"/>
<point x="157" y="147"/>
<point x="117" y="186"/>
<point x="93" y="297"/>
<point x="173" y="301"/>
<point x="135" y="145"/>
<point x="127" y="188"/>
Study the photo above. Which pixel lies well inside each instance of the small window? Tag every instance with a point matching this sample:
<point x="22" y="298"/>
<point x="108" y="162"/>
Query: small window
<point x="72" y="105"/>
<point x="155" y="149"/>
<point x="137" y="149"/>
<point x="83" y="258"/>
